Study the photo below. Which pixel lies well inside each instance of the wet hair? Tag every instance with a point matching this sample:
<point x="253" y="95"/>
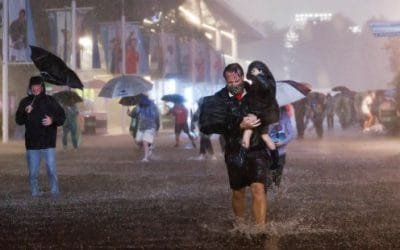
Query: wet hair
<point x="260" y="66"/>
<point x="233" y="67"/>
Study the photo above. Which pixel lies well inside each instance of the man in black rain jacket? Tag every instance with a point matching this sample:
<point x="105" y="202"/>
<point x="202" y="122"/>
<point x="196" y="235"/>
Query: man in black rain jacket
<point x="41" y="114"/>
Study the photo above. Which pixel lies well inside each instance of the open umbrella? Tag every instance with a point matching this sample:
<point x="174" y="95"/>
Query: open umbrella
<point x="67" y="97"/>
<point x="130" y="100"/>
<point x="53" y="69"/>
<point x="289" y="91"/>
<point x="344" y="90"/>
<point x="125" y="85"/>
<point x="175" y="98"/>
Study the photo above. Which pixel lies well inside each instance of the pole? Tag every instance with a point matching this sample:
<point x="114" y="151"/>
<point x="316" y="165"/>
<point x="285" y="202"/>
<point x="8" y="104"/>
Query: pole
<point x="5" y="72"/>
<point x="123" y="38"/>
<point x="73" y="35"/>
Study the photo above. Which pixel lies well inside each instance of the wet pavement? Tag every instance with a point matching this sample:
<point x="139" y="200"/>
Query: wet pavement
<point x="337" y="193"/>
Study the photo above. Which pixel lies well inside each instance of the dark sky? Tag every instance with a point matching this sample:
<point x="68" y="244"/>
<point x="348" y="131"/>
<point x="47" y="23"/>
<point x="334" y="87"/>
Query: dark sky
<point x="282" y="11"/>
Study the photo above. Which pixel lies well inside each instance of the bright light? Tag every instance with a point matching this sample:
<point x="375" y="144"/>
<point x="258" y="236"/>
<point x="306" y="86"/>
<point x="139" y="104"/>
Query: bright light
<point x="227" y="34"/>
<point x="209" y="27"/>
<point x="170" y="86"/>
<point x="86" y="42"/>
<point x="147" y="21"/>
<point x="192" y="17"/>
<point x="188" y="93"/>
<point x="208" y="35"/>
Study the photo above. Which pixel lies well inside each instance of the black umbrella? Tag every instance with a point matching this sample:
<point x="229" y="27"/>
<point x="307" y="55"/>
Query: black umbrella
<point x="175" y="98"/>
<point x="53" y="69"/>
<point x="341" y="89"/>
<point x="67" y="97"/>
<point x="130" y="100"/>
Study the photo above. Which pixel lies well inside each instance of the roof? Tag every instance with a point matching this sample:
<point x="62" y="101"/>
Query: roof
<point x="230" y="19"/>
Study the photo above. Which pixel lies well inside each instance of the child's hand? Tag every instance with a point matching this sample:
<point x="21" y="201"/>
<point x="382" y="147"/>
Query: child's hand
<point x="255" y="72"/>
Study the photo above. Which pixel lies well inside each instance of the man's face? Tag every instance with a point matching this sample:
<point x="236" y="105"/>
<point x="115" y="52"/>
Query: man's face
<point x="233" y="78"/>
<point x="234" y="82"/>
<point x="36" y="89"/>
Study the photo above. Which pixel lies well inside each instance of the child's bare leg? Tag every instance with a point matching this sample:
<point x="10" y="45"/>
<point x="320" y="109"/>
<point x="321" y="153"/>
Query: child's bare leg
<point x="270" y="143"/>
<point x="246" y="138"/>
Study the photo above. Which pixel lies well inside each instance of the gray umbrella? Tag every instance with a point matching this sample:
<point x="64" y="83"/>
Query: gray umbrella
<point x="125" y="85"/>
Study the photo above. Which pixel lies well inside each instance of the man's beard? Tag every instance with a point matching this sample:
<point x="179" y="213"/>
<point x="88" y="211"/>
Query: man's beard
<point x="235" y="89"/>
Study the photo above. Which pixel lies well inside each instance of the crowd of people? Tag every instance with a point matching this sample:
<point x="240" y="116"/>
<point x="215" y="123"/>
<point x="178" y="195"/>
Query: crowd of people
<point x="253" y="130"/>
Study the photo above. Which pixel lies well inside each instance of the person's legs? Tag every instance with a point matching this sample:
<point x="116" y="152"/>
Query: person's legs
<point x="74" y="136"/>
<point x="65" y="137"/>
<point x="33" y="160"/>
<point x="259" y="203"/>
<point x="238" y="203"/>
<point x="50" y="156"/>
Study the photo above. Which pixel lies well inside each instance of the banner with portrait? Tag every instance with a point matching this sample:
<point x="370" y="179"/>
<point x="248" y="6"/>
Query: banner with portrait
<point x="60" y="31"/>
<point x="20" y="31"/>
<point x="136" y="60"/>
<point x="200" y="61"/>
<point x="170" y="55"/>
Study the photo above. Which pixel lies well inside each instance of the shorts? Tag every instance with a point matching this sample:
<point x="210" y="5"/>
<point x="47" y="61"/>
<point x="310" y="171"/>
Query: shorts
<point x="257" y="170"/>
<point x="145" y="135"/>
<point x="179" y="127"/>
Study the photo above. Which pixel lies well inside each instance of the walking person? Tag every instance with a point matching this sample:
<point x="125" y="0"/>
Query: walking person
<point x="70" y="126"/>
<point x="181" y="123"/>
<point x="205" y="140"/>
<point x="254" y="172"/>
<point x="41" y="114"/>
<point x="282" y="133"/>
<point x="149" y="124"/>
<point x="330" y="110"/>
<point x="366" y="109"/>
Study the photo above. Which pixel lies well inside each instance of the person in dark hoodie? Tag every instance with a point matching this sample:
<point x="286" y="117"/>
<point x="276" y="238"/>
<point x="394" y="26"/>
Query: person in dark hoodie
<point x="41" y="114"/>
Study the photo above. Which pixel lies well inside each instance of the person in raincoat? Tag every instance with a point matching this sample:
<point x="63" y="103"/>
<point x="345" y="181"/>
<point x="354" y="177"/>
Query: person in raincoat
<point x="70" y="126"/>
<point x="41" y="114"/>
<point x="237" y="119"/>
<point x="149" y="124"/>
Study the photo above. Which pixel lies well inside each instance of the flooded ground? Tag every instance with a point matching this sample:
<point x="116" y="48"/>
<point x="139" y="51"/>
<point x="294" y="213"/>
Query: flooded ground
<point x="338" y="193"/>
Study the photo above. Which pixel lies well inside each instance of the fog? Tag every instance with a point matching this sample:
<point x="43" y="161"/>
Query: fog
<point x="325" y="53"/>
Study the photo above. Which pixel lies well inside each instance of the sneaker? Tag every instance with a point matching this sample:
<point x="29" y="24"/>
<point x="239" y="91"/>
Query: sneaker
<point x="145" y="160"/>
<point x="200" y="158"/>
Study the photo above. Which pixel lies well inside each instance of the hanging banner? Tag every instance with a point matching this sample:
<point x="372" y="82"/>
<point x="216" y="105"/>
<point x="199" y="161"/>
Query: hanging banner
<point x="156" y="55"/>
<point x="60" y="30"/>
<point x="200" y="61"/>
<point x="170" y="56"/>
<point x="217" y="66"/>
<point x="185" y="58"/>
<point x="136" y="60"/>
<point x="21" y="32"/>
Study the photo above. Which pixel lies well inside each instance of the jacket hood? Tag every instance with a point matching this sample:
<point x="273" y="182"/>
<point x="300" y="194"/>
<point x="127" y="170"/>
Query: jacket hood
<point x="36" y="80"/>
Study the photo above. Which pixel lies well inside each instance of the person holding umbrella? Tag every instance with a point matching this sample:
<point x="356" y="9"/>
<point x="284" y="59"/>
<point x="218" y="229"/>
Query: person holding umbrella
<point x="181" y="116"/>
<point x="149" y="124"/>
<point x="41" y="114"/>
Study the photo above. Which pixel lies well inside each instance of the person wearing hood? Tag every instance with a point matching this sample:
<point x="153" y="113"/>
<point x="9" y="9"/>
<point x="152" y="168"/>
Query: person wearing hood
<point x="41" y="114"/>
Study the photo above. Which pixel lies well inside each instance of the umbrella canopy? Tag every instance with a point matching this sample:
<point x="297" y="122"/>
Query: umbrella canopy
<point x="67" y="97"/>
<point x="175" y="98"/>
<point x="53" y="69"/>
<point x="344" y="90"/>
<point x="289" y="91"/>
<point x="130" y="100"/>
<point x="125" y="85"/>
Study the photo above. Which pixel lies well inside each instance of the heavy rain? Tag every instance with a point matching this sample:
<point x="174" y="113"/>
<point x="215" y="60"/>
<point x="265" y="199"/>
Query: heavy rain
<point x="112" y="137"/>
